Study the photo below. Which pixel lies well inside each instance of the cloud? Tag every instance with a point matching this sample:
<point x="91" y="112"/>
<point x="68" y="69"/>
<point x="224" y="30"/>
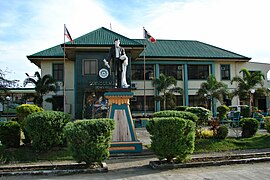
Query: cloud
<point x="27" y="27"/>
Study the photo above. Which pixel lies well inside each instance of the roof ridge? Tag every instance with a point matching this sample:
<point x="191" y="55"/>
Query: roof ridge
<point x="117" y="35"/>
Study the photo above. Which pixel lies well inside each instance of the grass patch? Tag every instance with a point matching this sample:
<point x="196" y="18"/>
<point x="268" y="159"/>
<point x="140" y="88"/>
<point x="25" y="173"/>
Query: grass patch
<point x="228" y="144"/>
<point x="26" y="154"/>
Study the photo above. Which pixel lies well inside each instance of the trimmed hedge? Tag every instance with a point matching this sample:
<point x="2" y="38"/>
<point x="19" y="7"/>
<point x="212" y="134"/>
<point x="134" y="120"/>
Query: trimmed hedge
<point x="22" y="112"/>
<point x="89" y="140"/>
<point x="222" y="110"/>
<point x="249" y="127"/>
<point x="46" y="129"/>
<point x="203" y="114"/>
<point x="221" y="132"/>
<point x="10" y="133"/>
<point x="172" y="137"/>
<point x="180" y="114"/>
<point x="180" y="108"/>
<point x="267" y="123"/>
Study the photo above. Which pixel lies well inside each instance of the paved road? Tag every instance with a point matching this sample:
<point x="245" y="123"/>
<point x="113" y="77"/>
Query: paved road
<point x="244" y="171"/>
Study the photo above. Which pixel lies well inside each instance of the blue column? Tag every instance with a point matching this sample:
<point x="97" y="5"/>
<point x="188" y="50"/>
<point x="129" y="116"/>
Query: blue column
<point x="185" y="85"/>
<point x="214" y="106"/>
<point x="156" y="92"/>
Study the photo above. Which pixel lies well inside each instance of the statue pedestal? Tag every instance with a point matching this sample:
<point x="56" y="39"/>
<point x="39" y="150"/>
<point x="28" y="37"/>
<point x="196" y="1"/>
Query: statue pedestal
<point x="124" y="138"/>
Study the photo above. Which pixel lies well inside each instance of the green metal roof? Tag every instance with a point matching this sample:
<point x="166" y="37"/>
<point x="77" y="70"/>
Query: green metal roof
<point x="52" y="52"/>
<point x="186" y="49"/>
<point x="103" y="37"/>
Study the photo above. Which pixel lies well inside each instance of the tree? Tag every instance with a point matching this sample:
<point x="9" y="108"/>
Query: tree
<point x="248" y="84"/>
<point x="166" y="85"/>
<point x="5" y="83"/>
<point x="212" y="89"/>
<point x="43" y="85"/>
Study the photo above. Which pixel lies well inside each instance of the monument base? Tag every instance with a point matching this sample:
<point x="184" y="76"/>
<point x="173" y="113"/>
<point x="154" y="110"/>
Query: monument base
<point x="126" y="147"/>
<point x="124" y="139"/>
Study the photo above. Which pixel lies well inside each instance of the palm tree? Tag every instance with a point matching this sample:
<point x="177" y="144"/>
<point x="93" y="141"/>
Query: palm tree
<point x="166" y="85"/>
<point x="248" y="84"/>
<point x="213" y="89"/>
<point x="43" y="85"/>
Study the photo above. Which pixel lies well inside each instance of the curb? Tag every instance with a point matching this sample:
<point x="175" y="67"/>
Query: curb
<point x="52" y="169"/>
<point x="214" y="161"/>
<point x="76" y="168"/>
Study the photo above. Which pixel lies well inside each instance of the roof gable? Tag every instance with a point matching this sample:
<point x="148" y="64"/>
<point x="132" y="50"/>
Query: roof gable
<point x="102" y="37"/>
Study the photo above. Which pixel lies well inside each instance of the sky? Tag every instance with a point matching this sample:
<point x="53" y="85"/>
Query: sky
<point x="30" y="26"/>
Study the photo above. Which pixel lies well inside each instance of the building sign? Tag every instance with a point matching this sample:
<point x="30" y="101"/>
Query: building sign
<point x="103" y="73"/>
<point x="101" y="84"/>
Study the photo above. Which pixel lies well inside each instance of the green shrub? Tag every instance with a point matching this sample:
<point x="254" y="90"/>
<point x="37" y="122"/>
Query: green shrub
<point x="222" y="132"/>
<point x="245" y="111"/>
<point x="267" y="123"/>
<point x="10" y="133"/>
<point x="171" y="137"/>
<point x="203" y="114"/>
<point x="180" y="114"/>
<point x="181" y="108"/>
<point x="46" y="129"/>
<point x="222" y="111"/>
<point x="22" y="112"/>
<point x="249" y="127"/>
<point x="3" y="154"/>
<point x="89" y="140"/>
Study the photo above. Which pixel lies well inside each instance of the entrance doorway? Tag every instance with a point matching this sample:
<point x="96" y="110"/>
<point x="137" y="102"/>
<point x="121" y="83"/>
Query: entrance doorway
<point x="95" y="105"/>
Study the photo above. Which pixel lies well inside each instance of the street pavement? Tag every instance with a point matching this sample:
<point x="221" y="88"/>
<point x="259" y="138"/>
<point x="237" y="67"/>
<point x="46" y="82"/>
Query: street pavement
<point x="137" y="167"/>
<point x="140" y="170"/>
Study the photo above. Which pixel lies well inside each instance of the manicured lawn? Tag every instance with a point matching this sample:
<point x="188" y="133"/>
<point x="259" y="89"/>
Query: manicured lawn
<point x="215" y="145"/>
<point x="26" y="154"/>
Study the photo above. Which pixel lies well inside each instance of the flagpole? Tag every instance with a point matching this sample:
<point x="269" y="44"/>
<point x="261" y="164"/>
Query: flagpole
<point x="64" y="86"/>
<point x="144" y="95"/>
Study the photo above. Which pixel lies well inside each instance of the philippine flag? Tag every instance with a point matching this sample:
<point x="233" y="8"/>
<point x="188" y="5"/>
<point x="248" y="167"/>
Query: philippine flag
<point x="148" y="36"/>
<point x="67" y="34"/>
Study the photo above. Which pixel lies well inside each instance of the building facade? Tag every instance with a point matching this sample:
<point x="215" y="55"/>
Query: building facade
<point x="82" y="82"/>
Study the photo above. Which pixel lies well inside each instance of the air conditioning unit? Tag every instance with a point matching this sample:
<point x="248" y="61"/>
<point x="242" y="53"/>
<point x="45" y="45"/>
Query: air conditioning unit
<point x="60" y="83"/>
<point x="133" y="86"/>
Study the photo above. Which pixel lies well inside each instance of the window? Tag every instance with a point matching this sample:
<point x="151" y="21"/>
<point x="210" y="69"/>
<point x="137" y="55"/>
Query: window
<point x="89" y="67"/>
<point x="58" y="72"/>
<point x="225" y="72"/>
<point x="172" y="101"/>
<point x="195" y="100"/>
<point x="138" y="71"/>
<point x="171" y="70"/>
<point x="198" y="72"/>
<point x="138" y="105"/>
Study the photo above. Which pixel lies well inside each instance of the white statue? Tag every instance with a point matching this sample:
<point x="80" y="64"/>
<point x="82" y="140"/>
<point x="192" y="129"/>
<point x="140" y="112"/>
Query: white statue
<point x="124" y="58"/>
<point x="119" y="64"/>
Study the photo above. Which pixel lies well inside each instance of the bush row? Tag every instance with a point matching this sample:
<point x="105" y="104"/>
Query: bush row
<point x="46" y="129"/>
<point x="171" y="137"/>
<point x="89" y="140"/>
